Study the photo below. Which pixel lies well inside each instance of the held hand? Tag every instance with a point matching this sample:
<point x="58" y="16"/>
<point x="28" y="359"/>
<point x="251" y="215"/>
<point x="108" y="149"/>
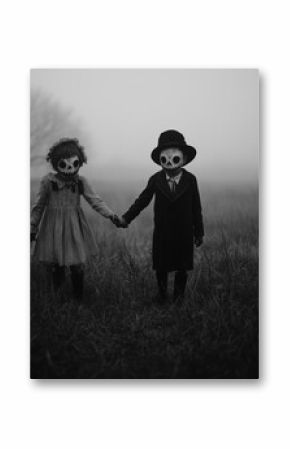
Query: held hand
<point x="119" y="221"/>
<point x="115" y="219"/>
<point x="122" y="223"/>
<point x="198" y="241"/>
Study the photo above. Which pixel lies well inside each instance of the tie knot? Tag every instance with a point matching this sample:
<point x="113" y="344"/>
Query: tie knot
<point x="173" y="185"/>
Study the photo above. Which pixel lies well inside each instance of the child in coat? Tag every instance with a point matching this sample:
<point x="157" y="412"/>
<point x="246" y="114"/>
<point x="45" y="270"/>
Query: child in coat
<point x="58" y="224"/>
<point x="178" y="223"/>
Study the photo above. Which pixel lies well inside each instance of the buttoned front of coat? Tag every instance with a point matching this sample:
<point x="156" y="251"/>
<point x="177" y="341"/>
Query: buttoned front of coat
<point x="177" y="220"/>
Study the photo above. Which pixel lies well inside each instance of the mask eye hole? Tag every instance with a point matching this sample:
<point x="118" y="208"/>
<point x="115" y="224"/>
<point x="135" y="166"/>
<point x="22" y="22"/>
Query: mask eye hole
<point x="76" y="164"/>
<point x="176" y="159"/>
<point x="163" y="160"/>
<point x="62" y="164"/>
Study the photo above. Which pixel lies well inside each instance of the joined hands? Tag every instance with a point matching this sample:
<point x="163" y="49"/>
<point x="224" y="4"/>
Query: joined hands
<point x="120" y="222"/>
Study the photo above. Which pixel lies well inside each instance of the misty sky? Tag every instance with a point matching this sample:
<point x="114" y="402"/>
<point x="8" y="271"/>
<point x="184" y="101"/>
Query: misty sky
<point x="124" y="111"/>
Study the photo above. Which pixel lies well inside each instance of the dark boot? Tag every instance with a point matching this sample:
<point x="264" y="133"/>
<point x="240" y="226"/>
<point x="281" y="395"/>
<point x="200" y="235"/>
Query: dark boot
<point x="161" y="277"/>
<point x="58" y="277"/>
<point x="179" y="286"/>
<point x="77" y="277"/>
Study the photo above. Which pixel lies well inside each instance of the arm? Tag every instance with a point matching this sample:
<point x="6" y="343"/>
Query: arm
<point x="142" y="201"/>
<point x="39" y="206"/>
<point x="95" y="201"/>
<point x="197" y="213"/>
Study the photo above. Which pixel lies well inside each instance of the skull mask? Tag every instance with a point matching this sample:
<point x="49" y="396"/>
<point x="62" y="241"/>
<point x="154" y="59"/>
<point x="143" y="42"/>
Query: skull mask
<point x="172" y="159"/>
<point x="68" y="166"/>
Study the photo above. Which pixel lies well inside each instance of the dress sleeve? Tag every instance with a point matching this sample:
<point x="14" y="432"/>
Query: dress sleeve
<point x="95" y="201"/>
<point x="39" y="204"/>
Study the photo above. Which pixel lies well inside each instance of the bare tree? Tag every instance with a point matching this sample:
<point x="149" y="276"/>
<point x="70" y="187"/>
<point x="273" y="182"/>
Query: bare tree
<point x="49" y="122"/>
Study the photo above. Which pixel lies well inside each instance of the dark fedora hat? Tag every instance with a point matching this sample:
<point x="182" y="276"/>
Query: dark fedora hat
<point x="173" y="139"/>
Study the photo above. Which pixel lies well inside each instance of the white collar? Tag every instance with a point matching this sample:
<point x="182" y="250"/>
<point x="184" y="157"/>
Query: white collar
<point x="176" y="178"/>
<point x="61" y="183"/>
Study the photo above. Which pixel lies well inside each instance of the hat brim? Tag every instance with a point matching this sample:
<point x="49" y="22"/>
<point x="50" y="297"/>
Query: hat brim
<point x="189" y="152"/>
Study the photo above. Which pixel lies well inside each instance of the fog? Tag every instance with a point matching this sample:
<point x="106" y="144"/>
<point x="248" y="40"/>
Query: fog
<point x="121" y="113"/>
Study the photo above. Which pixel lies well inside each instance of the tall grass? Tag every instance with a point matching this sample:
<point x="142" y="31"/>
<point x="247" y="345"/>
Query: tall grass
<point x="120" y="333"/>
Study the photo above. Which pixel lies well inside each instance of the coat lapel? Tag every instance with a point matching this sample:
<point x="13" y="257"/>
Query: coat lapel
<point x="163" y="185"/>
<point x="180" y="188"/>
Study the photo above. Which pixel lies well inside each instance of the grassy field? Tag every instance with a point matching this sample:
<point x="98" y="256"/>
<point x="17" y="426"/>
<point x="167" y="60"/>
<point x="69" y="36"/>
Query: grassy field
<point x="120" y="333"/>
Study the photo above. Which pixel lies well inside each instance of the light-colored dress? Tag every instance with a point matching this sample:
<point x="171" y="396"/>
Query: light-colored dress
<point x="65" y="237"/>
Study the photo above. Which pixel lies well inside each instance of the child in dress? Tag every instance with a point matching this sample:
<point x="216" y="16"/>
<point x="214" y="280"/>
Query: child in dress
<point x="58" y="224"/>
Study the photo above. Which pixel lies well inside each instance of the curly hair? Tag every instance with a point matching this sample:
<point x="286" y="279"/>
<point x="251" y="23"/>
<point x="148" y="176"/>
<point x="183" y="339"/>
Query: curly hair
<point x="65" y="148"/>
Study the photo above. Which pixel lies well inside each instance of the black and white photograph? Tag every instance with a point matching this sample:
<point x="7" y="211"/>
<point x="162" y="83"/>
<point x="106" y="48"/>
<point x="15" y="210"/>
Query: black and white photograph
<point x="144" y="223"/>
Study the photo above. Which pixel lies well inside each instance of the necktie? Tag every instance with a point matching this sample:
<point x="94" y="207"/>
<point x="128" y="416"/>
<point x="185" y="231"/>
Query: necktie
<point x="172" y="185"/>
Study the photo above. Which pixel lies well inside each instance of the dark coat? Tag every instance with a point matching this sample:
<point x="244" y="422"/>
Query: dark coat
<point x="177" y="220"/>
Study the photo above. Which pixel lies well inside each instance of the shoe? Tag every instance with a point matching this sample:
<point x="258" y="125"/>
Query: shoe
<point x="178" y="299"/>
<point x="160" y="299"/>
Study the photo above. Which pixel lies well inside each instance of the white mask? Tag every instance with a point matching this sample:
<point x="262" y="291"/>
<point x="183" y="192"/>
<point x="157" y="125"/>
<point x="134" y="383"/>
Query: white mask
<point x="171" y="158"/>
<point x="68" y="166"/>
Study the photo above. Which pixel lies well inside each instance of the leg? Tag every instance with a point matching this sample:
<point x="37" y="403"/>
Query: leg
<point x="179" y="285"/>
<point x="58" y="277"/>
<point x="77" y="277"/>
<point x="161" y="277"/>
